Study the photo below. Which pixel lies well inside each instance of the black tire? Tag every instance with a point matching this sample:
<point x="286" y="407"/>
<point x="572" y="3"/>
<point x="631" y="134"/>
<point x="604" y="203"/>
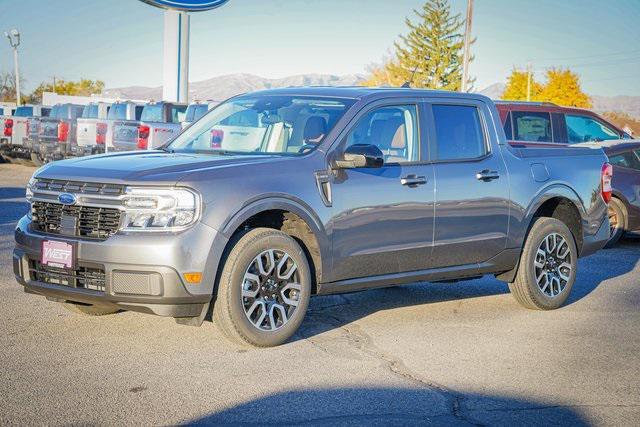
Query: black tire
<point x="525" y="288"/>
<point x="229" y="310"/>
<point x="36" y="159"/>
<point x="90" y="310"/>
<point x="616" y="210"/>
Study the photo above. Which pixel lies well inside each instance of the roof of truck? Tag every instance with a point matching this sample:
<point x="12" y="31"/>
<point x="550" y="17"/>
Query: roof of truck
<point x="359" y="92"/>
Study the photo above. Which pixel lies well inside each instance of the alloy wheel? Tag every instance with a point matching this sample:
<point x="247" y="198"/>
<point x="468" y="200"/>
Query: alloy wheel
<point x="553" y="265"/>
<point x="271" y="290"/>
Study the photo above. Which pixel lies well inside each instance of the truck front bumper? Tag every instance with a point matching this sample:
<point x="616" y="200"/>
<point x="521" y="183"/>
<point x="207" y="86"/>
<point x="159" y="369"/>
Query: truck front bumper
<point x="138" y="271"/>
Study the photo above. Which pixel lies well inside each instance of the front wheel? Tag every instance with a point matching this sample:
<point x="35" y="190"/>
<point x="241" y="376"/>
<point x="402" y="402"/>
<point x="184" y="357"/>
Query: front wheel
<point x="264" y="289"/>
<point x="547" y="267"/>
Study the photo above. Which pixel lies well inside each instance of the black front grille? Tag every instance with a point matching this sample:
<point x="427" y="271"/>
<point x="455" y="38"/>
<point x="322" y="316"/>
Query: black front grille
<point x="90" y="222"/>
<point x="79" y="187"/>
<point x="82" y="277"/>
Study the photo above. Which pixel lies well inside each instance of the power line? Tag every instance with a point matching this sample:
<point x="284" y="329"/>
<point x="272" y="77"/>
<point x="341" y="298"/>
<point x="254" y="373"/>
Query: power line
<point x="604" y="55"/>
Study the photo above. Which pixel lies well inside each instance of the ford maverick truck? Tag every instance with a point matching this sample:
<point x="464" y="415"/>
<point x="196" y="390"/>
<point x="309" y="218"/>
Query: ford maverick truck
<point x="278" y="195"/>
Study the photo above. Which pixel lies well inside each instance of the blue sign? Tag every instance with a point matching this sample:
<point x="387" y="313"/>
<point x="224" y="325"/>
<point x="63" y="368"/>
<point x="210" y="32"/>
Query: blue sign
<point x="187" y="5"/>
<point x="67" y="199"/>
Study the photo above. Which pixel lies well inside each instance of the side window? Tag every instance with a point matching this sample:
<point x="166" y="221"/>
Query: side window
<point x="586" y="129"/>
<point x="531" y="126"/>
<point x="459" y="132"/>
<point x="637" y="154"/>
<point x="620" y="160"/>
<point x="393" y="129"/>
<point x="138" y="111"/>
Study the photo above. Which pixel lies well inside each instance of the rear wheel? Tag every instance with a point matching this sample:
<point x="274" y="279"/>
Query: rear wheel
<point x="547" y="267"/>
<point x="264" y="289"/>
<point x="616" y="222"/>
<point x="90" y="310"/>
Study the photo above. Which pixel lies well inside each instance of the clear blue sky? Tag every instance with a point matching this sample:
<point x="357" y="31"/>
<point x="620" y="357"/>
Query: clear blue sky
<point x="120" y="41"/>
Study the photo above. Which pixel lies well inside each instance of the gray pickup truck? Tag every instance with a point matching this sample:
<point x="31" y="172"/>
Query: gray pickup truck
<point x="278" y="195"/>
<point x="56" y="133"/>
<point x="159" y="122"/>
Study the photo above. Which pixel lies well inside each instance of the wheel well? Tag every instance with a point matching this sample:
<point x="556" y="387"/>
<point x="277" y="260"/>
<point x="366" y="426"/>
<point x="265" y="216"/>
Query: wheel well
<point x="566" y="211"/>
<point x="623" y="207"/>
<point x="296" y="227"/>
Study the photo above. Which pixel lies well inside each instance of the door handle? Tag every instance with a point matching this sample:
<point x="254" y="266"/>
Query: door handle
<point x="487" y="175"/>
<point x="413" y="180"/>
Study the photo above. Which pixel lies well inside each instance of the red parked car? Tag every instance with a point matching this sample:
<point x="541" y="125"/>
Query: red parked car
<point x="545" y="123"/>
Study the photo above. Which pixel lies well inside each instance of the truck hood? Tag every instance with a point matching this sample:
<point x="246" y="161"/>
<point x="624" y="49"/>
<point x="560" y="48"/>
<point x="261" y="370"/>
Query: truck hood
<point x="140" y="167"/>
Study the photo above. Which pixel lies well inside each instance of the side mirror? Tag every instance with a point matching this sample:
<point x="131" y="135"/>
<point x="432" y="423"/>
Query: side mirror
<point x="360" y="156"/>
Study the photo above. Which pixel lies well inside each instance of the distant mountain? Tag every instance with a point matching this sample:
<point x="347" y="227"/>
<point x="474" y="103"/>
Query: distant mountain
<point x="627" y="104"/>
<point x="222" y="87"/>
<point x="494" y="91"/>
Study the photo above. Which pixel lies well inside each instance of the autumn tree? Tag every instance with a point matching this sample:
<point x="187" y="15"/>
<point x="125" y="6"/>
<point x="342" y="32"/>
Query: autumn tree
<point x="561" y="87"/>
<point x="82" y="87"/>
<point x="624" y="121"/>
<point x="431" y="52"/>
<point x="516" y="89"/>
<point x="8" y="87"/>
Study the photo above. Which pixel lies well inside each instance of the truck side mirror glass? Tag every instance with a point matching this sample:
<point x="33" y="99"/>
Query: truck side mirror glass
<point x="360" y="156"/>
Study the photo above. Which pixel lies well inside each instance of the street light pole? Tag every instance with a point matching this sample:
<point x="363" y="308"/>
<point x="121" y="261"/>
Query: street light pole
<point x="14" y="41"/>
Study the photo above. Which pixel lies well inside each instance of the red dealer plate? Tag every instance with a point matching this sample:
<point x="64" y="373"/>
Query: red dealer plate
<point x="57" y="254"/>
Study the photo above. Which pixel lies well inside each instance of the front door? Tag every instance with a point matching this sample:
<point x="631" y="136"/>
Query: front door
<point x="383" y="217"/>
<point x="472" y="188"/>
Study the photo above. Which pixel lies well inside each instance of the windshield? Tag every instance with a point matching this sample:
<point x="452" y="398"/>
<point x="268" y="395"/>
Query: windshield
<point x="195" y="111"/>
<point x="117" y="112"/>
<point x="266" y="124"/>
<point x="90" y="111"/>
<point x="152" y="113"/>
<point x="23" y="112"/>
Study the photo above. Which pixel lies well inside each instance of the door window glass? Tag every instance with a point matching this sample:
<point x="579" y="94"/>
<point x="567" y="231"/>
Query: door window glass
<point x="531" y="126"/>
<point x="459" y="132"/>
<point x="586" y="129"/>
<point x="393" y="129"/>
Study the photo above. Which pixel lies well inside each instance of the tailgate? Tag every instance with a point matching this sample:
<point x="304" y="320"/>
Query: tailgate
<point x="48" y="131"/>
<point x="160" y="133"/>
<point x="19" y="130"/>
<point x="125" y="135"/>
<point x="86" y="132"/>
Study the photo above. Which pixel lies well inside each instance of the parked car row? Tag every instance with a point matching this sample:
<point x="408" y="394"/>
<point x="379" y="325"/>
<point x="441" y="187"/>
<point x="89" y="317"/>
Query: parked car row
<point x="43" y="134"/>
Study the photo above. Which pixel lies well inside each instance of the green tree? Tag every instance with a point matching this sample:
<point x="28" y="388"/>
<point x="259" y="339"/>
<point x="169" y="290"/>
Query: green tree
<point x="432" y="51"/>
<point x="516" y="89"/>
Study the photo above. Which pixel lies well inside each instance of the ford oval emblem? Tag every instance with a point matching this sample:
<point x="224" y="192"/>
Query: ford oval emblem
<point x="67" y="199"/>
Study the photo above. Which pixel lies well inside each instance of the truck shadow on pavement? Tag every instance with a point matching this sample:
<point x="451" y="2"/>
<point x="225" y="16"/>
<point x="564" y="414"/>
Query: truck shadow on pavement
<point x="12" y="204"/>
<point x="391" y="406"/>
<point x="334" y="311"/>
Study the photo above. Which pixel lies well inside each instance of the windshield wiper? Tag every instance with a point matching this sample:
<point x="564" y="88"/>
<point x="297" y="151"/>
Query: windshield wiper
<point x="166" y="150"/>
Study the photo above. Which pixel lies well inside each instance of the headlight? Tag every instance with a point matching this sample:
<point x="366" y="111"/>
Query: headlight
<point x="160" y="209"/>
<point x="29" y="194"/>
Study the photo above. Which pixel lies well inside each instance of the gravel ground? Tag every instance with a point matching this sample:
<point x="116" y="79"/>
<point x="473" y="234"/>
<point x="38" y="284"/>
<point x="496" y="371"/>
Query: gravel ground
<point x="462" y="353"/>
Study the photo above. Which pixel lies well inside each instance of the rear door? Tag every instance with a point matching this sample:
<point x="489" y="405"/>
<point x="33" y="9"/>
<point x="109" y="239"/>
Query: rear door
<point x="472" y="188"/>
<point x="383" y="217"/>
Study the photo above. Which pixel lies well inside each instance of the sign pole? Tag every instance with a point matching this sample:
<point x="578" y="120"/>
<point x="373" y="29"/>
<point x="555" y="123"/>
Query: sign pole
<point x="175" y="68"/>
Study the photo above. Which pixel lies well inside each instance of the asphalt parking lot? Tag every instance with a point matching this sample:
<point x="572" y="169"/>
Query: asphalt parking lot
<point x="462" y="353"/>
